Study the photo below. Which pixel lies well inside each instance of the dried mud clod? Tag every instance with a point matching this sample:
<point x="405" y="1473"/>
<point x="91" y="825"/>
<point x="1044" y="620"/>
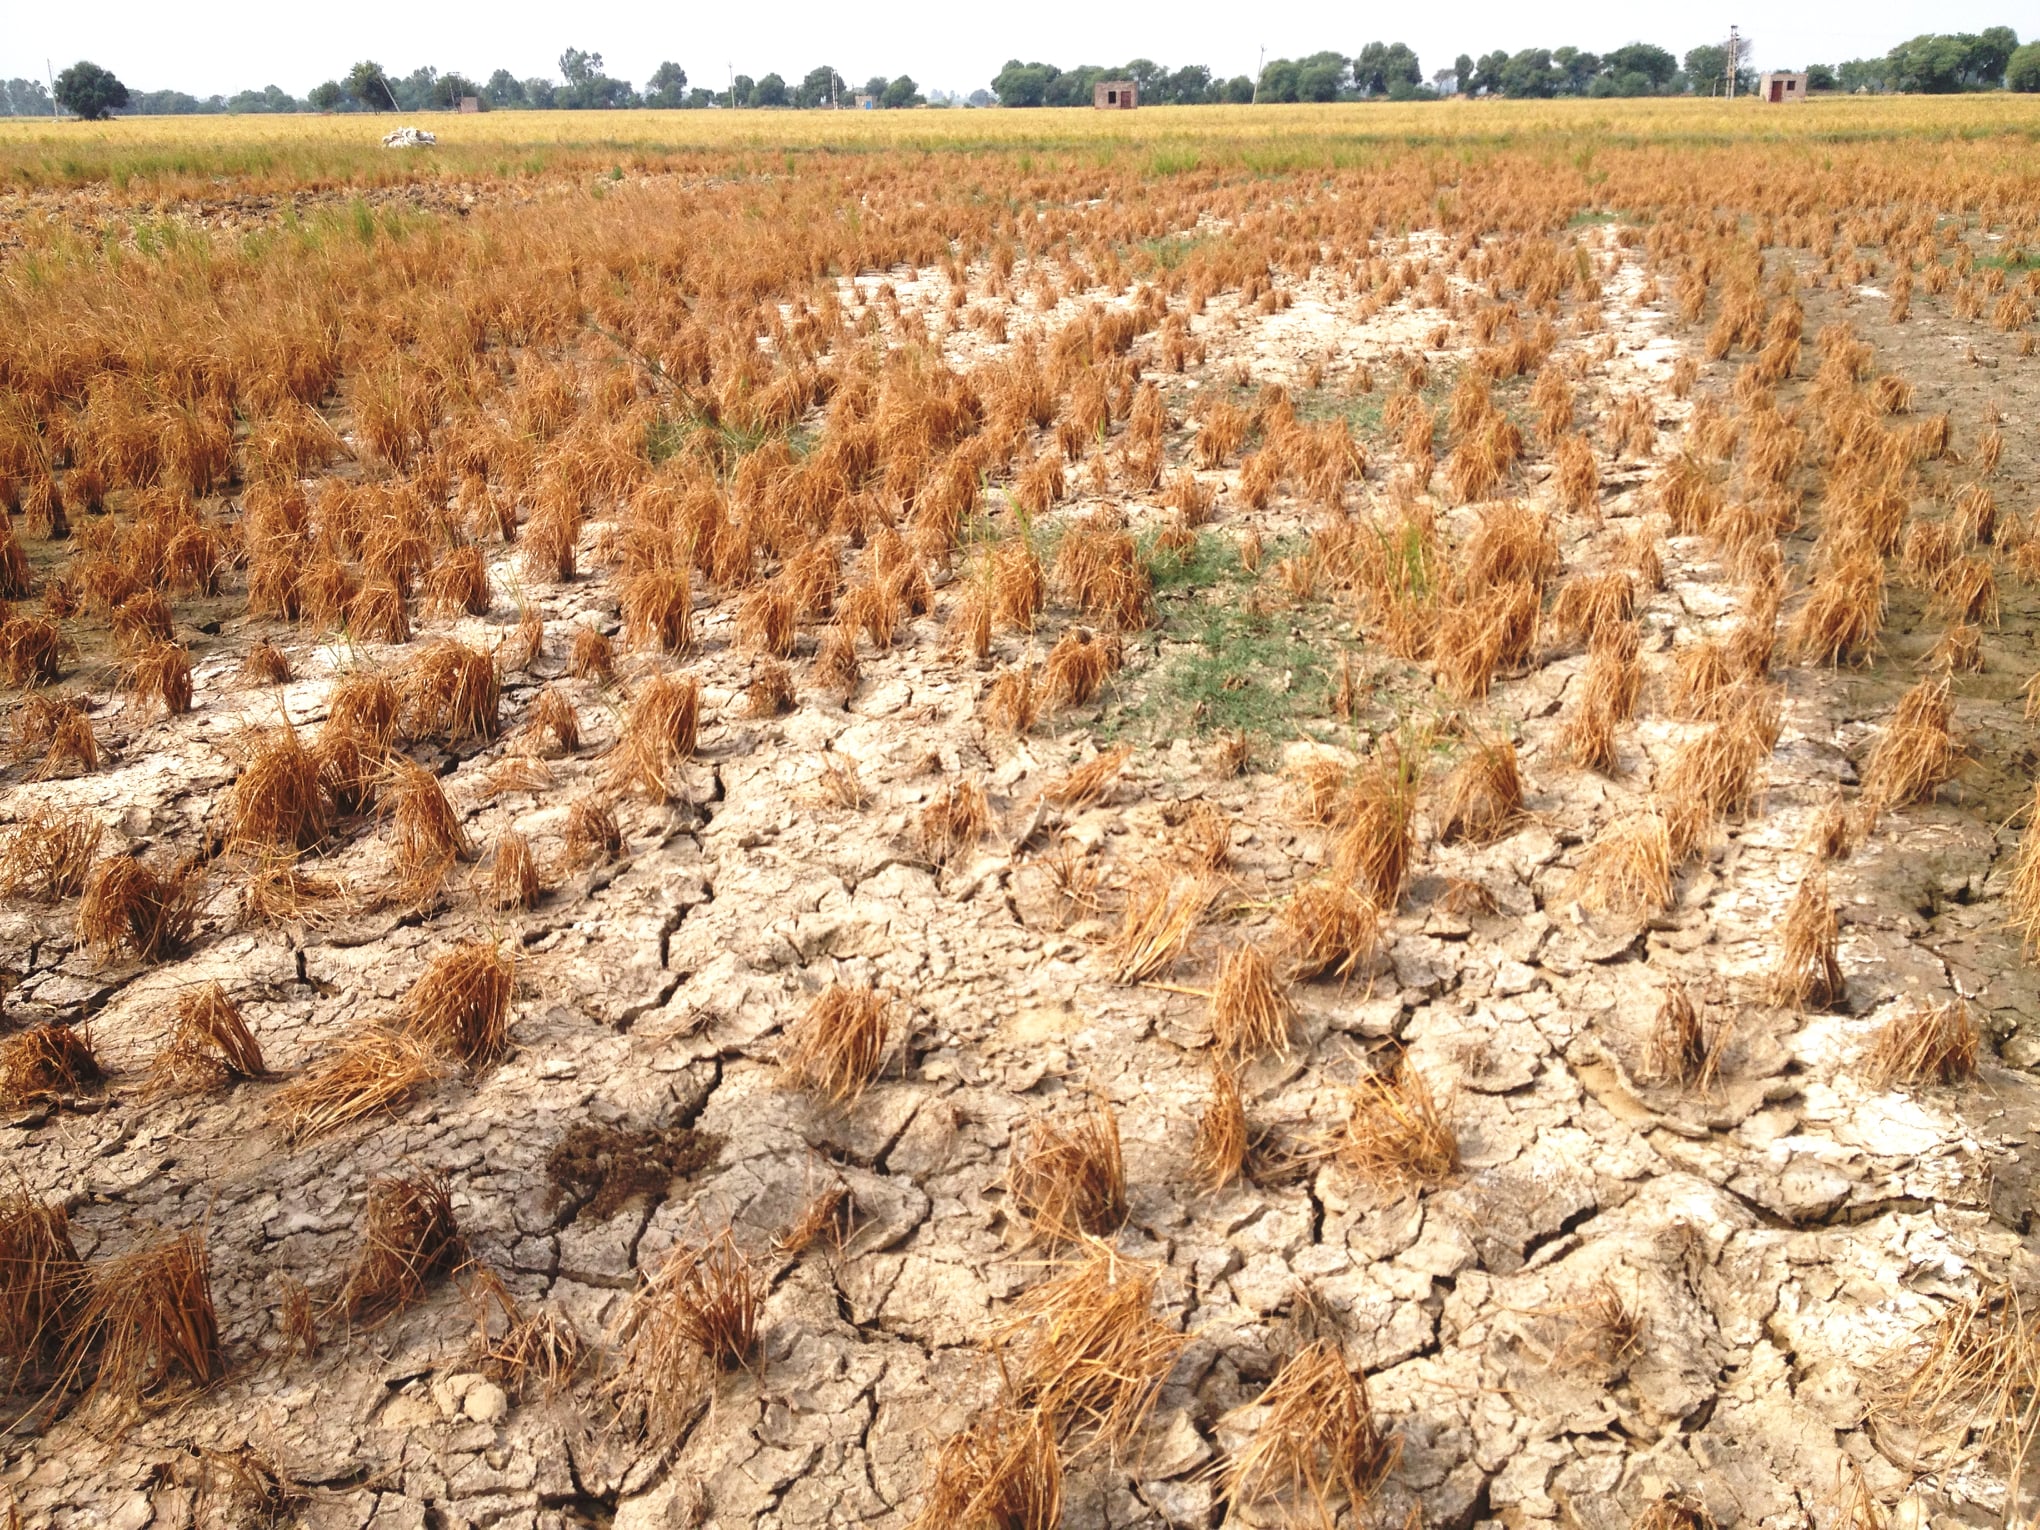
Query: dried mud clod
<point x="606" y="1169"/>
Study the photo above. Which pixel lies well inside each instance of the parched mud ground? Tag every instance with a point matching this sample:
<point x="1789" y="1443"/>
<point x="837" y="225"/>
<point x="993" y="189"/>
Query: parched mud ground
<point x="1775" y="1242"/>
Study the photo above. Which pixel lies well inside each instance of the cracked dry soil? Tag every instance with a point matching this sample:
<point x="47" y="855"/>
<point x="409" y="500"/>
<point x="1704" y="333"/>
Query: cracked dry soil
<point x="1775" y="1242"/>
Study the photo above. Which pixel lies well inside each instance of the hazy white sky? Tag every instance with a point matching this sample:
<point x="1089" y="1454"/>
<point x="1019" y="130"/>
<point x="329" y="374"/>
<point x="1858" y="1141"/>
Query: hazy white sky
<point x="207" y="46"/>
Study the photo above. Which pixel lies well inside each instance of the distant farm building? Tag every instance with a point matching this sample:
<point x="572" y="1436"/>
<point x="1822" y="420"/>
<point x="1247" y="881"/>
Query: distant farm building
<point x="866" y="103"/>
<point x="470" y="103"/>
<point x="1115" y="95"/>
<point x="1781" y="89"/>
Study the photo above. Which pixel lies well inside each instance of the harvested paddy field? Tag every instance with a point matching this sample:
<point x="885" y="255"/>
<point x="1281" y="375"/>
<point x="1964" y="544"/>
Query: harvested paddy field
<point x="1147" y="831"/>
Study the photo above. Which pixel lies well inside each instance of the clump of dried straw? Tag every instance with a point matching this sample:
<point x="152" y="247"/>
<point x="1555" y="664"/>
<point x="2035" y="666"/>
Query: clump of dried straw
<point x="374" y="1072"/>
<point x="1809" y="972"/>
<point x="1396" y="1136"/>
<point x="1249" y="1010"/>
<point x="1220" y="1150"/>
<point x="1328" y="926"/>
<point x="1318" y="1441"/>
<point x="210" y="1044"/>
<point x="1067" y="1177"/>
<point x="1084" y="1349"/>
<point x="409" y="1237"/>
<point x="131" y="908"/>
<point x="1934" y="1043"/>
<point x="836" y="1046"/>
<point x="460" y="1004"/>
<point x="147" y="1322"/>
<point x="48" y="854"/>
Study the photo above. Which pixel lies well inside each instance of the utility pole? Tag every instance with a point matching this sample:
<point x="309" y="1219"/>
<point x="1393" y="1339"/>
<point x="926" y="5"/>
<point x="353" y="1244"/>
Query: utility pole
<point x="1258" y="69"/>
<point x="54" y="110"/>
<point x="733" y="85"/>
<point x="1734" y="50"/>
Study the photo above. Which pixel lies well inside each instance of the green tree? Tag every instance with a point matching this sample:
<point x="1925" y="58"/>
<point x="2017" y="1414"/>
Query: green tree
<point x="740" y="90"/>
<point x="667" y="88"/>
<point x="901" y="92"/>
<point x="1021" y="84"/>
<point x="326" y="97"/>
<point x="1072" y="87"/>
<point x="1147" y="77"/>
<point x="1487" y="75"/>
<point x="1820" y="77"/>
<point x="820" y="87"/>
<point x="1238" y="90"/>
<point x="1706" y="68"/>
<point x="1379" y="67"/>
<point x="24" y="98"/>
<point x="2022" y="70"/>
<point x="504" y="89"/>
<point x="1654" y="64"/>
<point x="1191" y="85"/>
<point x="1930" y="63"/>
<point x="419" y="90"/>
<point x="1989" y="54"/>
<point x="269" y="99"/>
<point x="1278" y="81"/>
<point x="1529" y="75"/>
<point x="367" y="84"/>
<point x="770" y="91"/>
<point x="1321" y="77"/>
<point x="89" y="92"/>
<point x="1463" y="72"/>
<point x="1576" y="70"/>
<point x="587" y="87"/>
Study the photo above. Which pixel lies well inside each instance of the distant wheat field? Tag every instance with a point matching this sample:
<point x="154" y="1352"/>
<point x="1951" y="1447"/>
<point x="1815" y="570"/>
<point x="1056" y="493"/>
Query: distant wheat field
<point x="155" y="155"/>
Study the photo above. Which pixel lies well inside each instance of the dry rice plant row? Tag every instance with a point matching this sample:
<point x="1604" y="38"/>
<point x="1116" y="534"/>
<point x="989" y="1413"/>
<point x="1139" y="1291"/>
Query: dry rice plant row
<point x="409" y="1237"/>
<point x="147" y="1320"/>
<point x="1161" y="916"/>
<point x="1935" y="1043"/>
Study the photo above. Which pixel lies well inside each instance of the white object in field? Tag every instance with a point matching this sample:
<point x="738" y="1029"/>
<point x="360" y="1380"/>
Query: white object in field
<point x="407" y="138"/>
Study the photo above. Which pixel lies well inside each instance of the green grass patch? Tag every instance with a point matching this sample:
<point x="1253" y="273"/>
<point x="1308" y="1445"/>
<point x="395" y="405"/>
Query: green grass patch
<point x="1211" y="560"/>
<point x="1171" y="250"/>
<point x="1242" y="669"/>
<point x="727" y="444"/>
<point x="1225" y="665"/>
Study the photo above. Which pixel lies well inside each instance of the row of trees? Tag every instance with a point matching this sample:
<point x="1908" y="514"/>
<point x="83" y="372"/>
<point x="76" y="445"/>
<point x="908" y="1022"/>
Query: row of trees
<point x="86" y="90"/>
<point x="24" y="98"/>
<point x="1941" y="63"/>
<point x="1932" y="63"/>
<point x="1379" y="71"/>
<point x="1638" y="69"/>
<point x="1988" y="60"/>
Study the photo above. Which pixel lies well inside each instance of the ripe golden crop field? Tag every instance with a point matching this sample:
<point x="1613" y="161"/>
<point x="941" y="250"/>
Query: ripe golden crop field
<point x="275" y="153"/>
